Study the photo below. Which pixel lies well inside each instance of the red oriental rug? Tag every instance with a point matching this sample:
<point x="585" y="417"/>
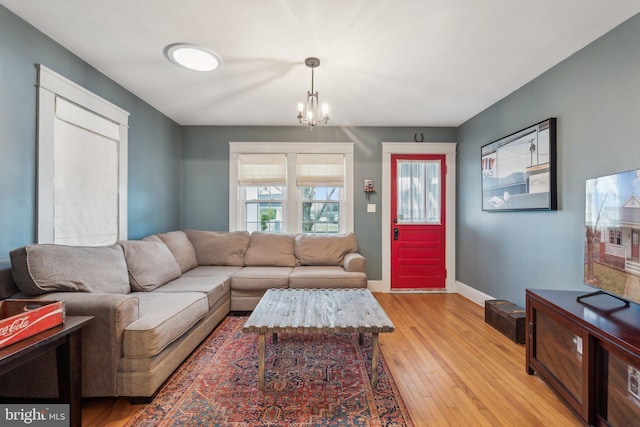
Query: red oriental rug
<point x="311" y="380"/>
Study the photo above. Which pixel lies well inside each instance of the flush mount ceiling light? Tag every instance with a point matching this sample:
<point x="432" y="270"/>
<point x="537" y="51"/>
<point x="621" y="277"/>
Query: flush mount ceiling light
<point x="308" y="114"/>
<point x="192" y="57"/>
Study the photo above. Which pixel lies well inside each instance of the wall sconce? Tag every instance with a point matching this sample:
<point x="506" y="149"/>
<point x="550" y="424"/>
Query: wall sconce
<point x="368" y="188"/>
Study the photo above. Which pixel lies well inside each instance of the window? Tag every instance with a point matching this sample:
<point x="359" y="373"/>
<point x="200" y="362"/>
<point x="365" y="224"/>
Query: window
<point x="263" y="208"/>
<point x="320" y="208"/>
<point x="291" y="188"/>
<point x="615" y="236"/>
<point x="262" y="180"/>
<point x="320" y="181"/>
<point x="82" y="165"/>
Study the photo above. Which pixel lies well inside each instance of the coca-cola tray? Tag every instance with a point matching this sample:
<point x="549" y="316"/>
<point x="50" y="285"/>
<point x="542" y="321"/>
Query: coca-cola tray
<point x="22" y="318"/>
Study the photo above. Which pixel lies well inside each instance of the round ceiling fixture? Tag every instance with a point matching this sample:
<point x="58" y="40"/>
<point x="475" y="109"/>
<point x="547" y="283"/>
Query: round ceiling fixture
<point x="192" y="57"/>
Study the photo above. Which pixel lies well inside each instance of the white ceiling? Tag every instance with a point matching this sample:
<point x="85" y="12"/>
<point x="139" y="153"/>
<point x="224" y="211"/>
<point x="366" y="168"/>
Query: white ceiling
<point x="383" y="62"/>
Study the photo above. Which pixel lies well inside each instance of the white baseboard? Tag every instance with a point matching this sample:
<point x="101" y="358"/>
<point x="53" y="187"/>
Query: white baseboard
<point x="460" y="288"/>
<point x="376" y="286"/>
<point x="472" y="294"/>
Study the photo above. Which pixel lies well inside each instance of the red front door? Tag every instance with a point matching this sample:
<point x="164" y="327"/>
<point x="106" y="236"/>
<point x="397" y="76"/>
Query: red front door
<point x="418" y="222"/>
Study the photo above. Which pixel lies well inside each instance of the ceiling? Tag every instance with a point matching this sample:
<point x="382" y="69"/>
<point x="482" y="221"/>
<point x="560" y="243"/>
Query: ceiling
<point x="383" y="62"/>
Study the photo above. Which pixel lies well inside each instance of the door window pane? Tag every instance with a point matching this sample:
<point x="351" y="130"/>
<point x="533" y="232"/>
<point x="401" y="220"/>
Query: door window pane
<point x="418" y="191"/>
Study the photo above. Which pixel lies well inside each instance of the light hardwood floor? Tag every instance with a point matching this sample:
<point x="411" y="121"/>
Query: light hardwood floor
<point x="451" y="368"/>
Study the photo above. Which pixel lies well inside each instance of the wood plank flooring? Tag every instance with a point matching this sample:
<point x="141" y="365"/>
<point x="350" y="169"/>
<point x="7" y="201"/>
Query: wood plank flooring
<point x="451" y="368"/>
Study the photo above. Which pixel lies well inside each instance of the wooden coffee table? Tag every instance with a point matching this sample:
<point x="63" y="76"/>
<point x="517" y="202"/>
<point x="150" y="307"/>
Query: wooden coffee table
<point x="318" y="311"/>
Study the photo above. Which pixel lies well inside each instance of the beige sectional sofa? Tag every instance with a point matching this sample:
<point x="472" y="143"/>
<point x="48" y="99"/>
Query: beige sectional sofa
<point x="155" y="299"/>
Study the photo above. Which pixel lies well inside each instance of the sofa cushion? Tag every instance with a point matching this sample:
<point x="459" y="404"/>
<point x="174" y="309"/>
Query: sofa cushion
<point x="213" y="271"/>
<point x="261" y="278"/>
<point x="150" y="263"/>
<point x="215" y="288"/>
<point x="270" y="249"/>
<point x="8" y="286"/>
<point x="42" y="268"/>
<point x="325" y="277"/>
<point x="181" y="248"/>
<point x="324" y="250"/>
<point x="164" y="317"/>
<point x="219" y="247"/>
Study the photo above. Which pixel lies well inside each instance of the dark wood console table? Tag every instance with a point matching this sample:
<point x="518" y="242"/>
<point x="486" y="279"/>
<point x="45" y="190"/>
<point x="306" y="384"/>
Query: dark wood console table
<point x="588" y="352"/>
<point x="66" y="340"/>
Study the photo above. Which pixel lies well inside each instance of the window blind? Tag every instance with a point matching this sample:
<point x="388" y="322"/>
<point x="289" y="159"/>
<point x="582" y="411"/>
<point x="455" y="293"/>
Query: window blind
<point x="85" y="177"/>
<point x="85" y="119"/>
<point x="315" y="170"/>
<point x="262" y="169"/>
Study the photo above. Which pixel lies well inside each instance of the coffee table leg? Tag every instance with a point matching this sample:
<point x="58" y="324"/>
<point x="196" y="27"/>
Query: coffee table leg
<point x="261" y="341"/>
<point x="374" y="360"/>
<point x="360" y="338"/>
<point x="275" y="338"/>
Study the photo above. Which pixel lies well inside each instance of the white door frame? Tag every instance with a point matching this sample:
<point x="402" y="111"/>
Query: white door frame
<point x="449" y="149"/>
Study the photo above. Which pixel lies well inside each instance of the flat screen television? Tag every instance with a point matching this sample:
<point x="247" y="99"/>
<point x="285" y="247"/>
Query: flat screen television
<point x="612" y="234"/>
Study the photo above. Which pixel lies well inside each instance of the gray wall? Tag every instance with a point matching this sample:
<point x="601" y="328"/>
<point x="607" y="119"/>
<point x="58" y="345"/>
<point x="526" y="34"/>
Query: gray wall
<point x="205" y="173"/>
<point x="595" y="94"/>
<point x="153" y="138"/>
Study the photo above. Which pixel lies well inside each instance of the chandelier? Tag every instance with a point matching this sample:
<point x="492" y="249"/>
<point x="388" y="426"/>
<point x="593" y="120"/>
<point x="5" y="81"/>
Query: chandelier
<point x="308" y="114"/>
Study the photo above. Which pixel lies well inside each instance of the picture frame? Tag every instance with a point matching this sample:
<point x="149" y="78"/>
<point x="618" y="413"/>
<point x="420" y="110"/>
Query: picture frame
<point x="519" y="170"/>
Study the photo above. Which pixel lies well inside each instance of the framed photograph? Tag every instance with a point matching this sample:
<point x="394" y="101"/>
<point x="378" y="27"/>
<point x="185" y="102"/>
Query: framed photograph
<point x="519" y="170"/>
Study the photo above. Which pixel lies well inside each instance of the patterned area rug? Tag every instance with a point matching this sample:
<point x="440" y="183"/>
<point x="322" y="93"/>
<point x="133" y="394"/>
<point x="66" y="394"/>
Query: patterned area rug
<point x="311" y="380"/>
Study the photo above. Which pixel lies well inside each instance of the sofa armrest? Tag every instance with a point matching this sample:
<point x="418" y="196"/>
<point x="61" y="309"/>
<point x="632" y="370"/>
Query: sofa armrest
<point x="102" y="338"/>
<point x="354" y="262"/>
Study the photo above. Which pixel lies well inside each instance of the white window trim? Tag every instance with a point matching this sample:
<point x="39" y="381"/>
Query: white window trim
<point x="51" y="85"/>
<point x="289" y="148"/>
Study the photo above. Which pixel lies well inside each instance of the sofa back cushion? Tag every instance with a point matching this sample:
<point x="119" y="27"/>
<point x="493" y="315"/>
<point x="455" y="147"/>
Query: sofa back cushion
<point x="42" y="268"/>
<point x="324" y="250"/>
<point x="270" y="250"/>
<point x="8" y="286"/>
<point x="181" y="248"/>
<point x="219" y="247"/>
<point x="150" y="263"/>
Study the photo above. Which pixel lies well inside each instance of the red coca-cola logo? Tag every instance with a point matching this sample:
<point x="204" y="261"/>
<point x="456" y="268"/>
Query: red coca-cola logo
<point x="17" y="325"/>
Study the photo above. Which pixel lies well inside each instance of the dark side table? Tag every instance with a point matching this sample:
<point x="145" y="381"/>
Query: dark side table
<point x="65" y="339"/>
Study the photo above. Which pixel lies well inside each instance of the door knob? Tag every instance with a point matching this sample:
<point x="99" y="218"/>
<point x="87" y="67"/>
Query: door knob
<point x="396" y="232"/>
